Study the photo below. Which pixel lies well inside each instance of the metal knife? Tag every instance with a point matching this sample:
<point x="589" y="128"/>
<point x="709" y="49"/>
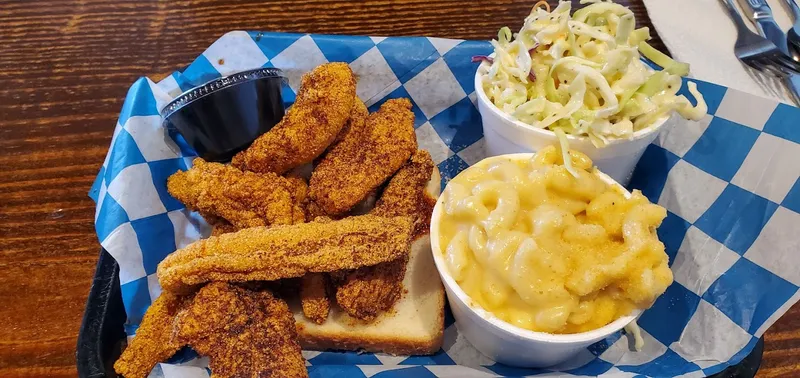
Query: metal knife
<point x="760" y="12"/>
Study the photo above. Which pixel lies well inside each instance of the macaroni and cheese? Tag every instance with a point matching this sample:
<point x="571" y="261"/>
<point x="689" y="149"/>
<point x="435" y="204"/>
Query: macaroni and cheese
<point x="549" y="250"/>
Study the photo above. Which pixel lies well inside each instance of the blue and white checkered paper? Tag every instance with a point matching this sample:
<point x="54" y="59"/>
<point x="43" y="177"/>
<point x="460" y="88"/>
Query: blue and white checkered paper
<point x="730" y="183"/>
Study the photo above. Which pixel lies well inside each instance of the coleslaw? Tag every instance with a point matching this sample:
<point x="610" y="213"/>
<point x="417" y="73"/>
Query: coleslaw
<point x="582" y="75"/>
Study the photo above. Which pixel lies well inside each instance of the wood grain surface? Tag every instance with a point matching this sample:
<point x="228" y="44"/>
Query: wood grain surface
<point x="65" y="67"/>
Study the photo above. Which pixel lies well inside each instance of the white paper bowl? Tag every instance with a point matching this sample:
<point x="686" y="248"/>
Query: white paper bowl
<point x="498" y="339"/>
<point x="505" y="135"/>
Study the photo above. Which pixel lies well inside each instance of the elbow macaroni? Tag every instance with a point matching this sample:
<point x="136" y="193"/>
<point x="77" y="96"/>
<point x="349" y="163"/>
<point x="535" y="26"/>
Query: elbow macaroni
<point x="548" y="251"/>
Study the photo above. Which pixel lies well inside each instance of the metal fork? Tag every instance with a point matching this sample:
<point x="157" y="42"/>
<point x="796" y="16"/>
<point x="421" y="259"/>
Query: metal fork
<point x="793" y="34"/>
<point x="769" y="29"/>
<point x="756" y="51"/>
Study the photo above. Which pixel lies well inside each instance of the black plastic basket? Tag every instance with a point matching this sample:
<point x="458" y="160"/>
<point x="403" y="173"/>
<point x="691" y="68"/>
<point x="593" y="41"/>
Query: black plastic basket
<point x="102" y="334"/>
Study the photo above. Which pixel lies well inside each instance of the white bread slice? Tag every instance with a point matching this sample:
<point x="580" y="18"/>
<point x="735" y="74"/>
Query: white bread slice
<point x="414" y="326"/>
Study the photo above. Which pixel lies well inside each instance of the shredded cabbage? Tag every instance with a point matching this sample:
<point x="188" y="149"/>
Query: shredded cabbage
<point x="583" y="74"/>
<point x="564" y="147"/>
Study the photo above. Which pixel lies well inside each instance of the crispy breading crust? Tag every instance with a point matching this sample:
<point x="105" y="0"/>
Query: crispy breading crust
<point x="352" y="131"/>
<point x="268" y="254"/>
<point x="320" y="111"/>
<point x="367" y="292"/>
<point x="406" y="194"/>
<point x="245" y="199"/>
<point x="218" y="225"/>
<point x="365" y="158"/>
<point x="222" y="228"/>
<point x="313" y="211"/>
<point x="314" y="297"/>
<point x="354" y="125"/>
<point x="155" y="340"/>
<point x="245" y="333"/>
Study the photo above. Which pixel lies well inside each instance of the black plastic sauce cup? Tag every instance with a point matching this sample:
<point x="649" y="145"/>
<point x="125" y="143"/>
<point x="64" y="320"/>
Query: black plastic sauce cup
<point x="225" y="115"/>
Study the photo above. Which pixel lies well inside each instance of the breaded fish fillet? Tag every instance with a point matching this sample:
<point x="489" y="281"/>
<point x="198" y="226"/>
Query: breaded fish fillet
<point x="268" y="254"/>
<point x="245" y="333"/>
<point x="155" y="340"/>
<point x="320" y="111"/>
<point x="245" y="199"/>
<point x="369" y="291"/>
<point x="364" y="158"/>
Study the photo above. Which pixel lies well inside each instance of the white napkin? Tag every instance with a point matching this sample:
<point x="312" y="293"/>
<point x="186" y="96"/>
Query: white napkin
<point x="701" y="33"/>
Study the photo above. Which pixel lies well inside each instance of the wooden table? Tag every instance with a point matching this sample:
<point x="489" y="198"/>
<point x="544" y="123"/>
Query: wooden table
<point x="65" y="67"/>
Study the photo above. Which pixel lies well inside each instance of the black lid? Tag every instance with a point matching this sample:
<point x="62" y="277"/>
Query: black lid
<point x="217" y="84"/>
<point x="225" y="115"/>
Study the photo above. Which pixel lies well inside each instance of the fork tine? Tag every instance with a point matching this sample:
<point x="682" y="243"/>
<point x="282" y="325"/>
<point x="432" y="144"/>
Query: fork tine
<point x="785" y="62"/>
<point x="764" y="66"/>
<point x="776" y="71"/>
<point x="768" y="67"/>
<point x="753" y="63"/>
<point x="777" y="62"/>
<point x="756" y="64"/>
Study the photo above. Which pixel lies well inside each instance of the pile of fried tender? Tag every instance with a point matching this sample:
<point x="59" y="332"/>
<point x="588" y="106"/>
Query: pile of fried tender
<point x="223" y="296"/>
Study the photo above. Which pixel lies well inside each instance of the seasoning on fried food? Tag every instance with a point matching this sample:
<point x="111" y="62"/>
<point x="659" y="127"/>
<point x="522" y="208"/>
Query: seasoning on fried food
<point x="321" y="109"/>
<point x="406" y="194"/>
<point x="222" y="228"/>
<point x="367" y="292"/>
<point x="244" y="199"/>
<point x="355" y="124"/>
<point x="155" y="340"/>
<point x="314" y="297"/>
<point x="313" y="211"/>
<point x="245" y="333"/>
<point x="351" y="130"/>
<point x="268" y="254"/>
<point x="365" y="158"/>
<point x="218" y="225"/>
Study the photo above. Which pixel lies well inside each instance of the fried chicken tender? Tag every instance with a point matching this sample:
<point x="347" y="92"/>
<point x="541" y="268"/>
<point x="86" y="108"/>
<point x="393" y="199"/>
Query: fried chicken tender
<point x="406" y="194"/>
<point x="321" y="109"/>
<point x="355" y="124"/>
<point x="314" y="297"/>
<point x="268" y="254"/>
<point x="365" y="158"/>
<point x="245" y="333"/>
<point x="353" y="127"/>
<point x="155" y="340"/>
<point x="244" y="199"/>
<point x="367" y="292"/>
